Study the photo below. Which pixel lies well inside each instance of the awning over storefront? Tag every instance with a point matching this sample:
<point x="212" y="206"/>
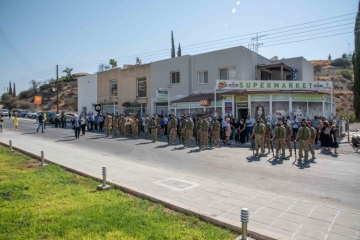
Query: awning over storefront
<point x="275" y="66"/>
<point x="197" y="97"/>
<point x="131" y="104"/>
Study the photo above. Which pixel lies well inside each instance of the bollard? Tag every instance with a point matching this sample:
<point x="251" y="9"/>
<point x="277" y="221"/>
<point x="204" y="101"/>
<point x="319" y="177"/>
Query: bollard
<point x="43" y="164"/>
<point x="244" y="220"/>
<point x="104" y="186"/>
<point x="10" y="144"/>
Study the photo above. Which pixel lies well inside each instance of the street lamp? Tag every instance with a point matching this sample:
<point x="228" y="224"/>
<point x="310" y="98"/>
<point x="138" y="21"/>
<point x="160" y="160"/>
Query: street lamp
<point x="169" y="92"/>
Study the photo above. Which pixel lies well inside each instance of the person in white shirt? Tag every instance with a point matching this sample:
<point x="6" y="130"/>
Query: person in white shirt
<point x="295" y="126"/>
<point x="249" y="122"/>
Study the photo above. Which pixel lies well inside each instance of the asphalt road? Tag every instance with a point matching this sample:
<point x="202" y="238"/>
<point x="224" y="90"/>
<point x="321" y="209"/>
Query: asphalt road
<point x="330" y="180"/>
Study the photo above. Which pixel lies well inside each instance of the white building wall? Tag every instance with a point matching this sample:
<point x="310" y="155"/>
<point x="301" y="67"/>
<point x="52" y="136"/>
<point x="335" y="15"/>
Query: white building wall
<point x="87" y="93"/>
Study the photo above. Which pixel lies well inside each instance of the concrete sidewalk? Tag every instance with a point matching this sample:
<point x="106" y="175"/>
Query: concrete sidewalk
<point x="271" y="216"/>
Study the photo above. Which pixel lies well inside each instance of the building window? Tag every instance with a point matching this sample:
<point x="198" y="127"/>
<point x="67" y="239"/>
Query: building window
<point x="113" y="89"/>
<point x="288" y="77"/>
<point x="227" y="73"/>
<point x="141" y="87"/>
<point x="175" y="77"/>
<point x="202" y="77"/>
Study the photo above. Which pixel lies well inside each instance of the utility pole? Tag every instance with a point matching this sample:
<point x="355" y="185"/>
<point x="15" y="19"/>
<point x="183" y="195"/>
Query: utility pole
<point x="57" y="88"/>
<point x="347" y="112"/>
<point x="256" y="48"/>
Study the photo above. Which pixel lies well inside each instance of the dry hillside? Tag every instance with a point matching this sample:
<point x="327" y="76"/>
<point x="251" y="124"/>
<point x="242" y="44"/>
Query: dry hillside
<point x="342" y="78"/>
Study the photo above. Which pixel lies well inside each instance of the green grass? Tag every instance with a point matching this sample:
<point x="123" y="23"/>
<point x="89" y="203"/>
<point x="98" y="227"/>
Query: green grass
<point x="51" y="203"/>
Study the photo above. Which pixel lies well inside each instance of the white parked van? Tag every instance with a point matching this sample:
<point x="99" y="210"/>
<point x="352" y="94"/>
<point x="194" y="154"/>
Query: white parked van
<point x="4" y="112"/>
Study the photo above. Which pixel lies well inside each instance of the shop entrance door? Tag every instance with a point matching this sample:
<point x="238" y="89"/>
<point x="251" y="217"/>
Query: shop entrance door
<point x="242" y="113"/>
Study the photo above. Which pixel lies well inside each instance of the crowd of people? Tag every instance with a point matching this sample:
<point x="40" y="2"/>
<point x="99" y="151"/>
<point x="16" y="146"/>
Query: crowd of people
<point x="209" y="131"/>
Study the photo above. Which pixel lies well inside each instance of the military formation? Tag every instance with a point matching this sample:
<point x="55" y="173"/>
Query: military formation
<point x="207" y="133"/>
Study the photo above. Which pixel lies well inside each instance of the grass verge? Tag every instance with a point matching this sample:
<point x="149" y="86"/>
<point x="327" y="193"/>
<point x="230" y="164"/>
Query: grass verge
<point x="52" y="203"/>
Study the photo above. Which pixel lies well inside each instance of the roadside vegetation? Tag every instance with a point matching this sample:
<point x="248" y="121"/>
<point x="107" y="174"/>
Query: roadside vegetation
<point x="52" y="203"/>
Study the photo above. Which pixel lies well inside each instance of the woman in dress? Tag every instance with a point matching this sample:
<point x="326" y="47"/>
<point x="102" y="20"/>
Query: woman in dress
<point x="242" y="130"/>
<point x="228" y="131"/>
<point x="333" y="143"/>
<point x="324" y="136"/>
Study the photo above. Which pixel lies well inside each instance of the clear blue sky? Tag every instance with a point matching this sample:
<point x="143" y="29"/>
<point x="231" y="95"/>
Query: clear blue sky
<point x="90" y="32"/>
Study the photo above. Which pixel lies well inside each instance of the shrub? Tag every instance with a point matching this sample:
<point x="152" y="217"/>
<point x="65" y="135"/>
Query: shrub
<point x="339" y="62"/>
<point x="26" y="94"/>
<point x="347" y="74"/>
<point x="46" y="86"/>
<point x="352" y="118"/>
<point x="317" y="68"/>
<point x="22" y="104"/>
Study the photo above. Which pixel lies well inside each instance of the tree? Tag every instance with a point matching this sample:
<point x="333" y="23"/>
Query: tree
<point x="356" y="63"/>
<point x="14" y="91"/>
<point x="68" y="73"/>
<point x="329" y="57"/>
<point x="10" y="88"/>
<point x="103" y="67"/>
<point x="6" y="97"/>
<point x="34" y="85"/>
<point x="179" y="51"/>
<point x="339" y="62"/>
<point x="113" y="63"/>
<point x="344" y="56"/>
<point x="172" y="45"/>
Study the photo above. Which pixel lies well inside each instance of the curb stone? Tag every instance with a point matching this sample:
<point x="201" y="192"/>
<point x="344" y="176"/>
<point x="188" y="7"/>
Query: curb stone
<point x="235" y="226"/>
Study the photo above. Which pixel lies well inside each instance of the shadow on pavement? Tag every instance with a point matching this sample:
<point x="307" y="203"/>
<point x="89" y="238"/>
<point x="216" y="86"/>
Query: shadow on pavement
<point x="27" y="133"/>
<point x="162" y="146"/>
<point x="253" y="159"/>
<point x="65" y="140"/>
<point x="303" y="165"/>
<point x="276" y="161"/>
<point x="194" y="150"/>
<point x="143" y="143"/>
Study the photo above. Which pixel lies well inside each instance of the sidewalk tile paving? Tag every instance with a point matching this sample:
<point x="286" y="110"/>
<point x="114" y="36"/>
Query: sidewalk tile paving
<point x="292" y="218"/>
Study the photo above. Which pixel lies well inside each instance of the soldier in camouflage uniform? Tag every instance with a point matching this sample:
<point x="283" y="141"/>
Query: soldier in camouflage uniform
<point x="267" y="140"/>
<point x="189" y="128"/>
<point x="280" y="136"/>
<point x="108" y="124"/>
<point x="158" y="122"/>
<point x="204" y="133"/>
<point x="122" y="122"/>
<point x="153" y="125"/>
<point x="135" y="126"/>
<point x="215" y="132"/>
<point x="115" y="125"/>
<point x="182" y="131"/>
<point x="146" y="127"/>
<point x="128" y="125"/>
<point x="172" y="128"/>
<point x="259" y="130"/>
<point x="313" y="133"/>
<point x="304" y="140"/>
<point x="288" y="129"/>
<point x="198" y="127"/>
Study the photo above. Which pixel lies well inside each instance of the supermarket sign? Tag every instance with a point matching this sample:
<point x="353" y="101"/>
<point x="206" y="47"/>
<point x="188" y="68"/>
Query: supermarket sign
<point x="272" y="85"/>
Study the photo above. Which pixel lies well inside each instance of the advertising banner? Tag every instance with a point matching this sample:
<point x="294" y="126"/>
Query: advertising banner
<point x="38" y="100"/>
<point x="162" y="95"/>
<point x="272" y="85"/>
<point x="228" y="106"/>
<point x="205" y="103"/>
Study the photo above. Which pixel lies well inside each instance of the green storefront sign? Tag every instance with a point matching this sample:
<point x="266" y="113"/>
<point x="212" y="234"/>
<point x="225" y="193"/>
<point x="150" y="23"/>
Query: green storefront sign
<point x="260" y="97"/>
<point x="306" y="97"/>
<point x="242" y="98"/>
<point x="280" y="97"/>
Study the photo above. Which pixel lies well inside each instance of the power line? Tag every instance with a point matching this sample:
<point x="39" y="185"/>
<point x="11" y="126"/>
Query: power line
<point x="16" y="53"/>
<point x="143" y="54"/>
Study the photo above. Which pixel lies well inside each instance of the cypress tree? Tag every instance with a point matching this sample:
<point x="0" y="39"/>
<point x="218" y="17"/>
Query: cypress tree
<point x="356" y="63"/>
<point x="172" y="45"/>
<point x="14" y="91"/>
<point x="10" y="88"/>
<point x="179" y="51"/>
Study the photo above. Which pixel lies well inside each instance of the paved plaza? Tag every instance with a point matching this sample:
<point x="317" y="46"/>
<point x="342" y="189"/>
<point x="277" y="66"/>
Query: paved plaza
<point x="315" y="200"/>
